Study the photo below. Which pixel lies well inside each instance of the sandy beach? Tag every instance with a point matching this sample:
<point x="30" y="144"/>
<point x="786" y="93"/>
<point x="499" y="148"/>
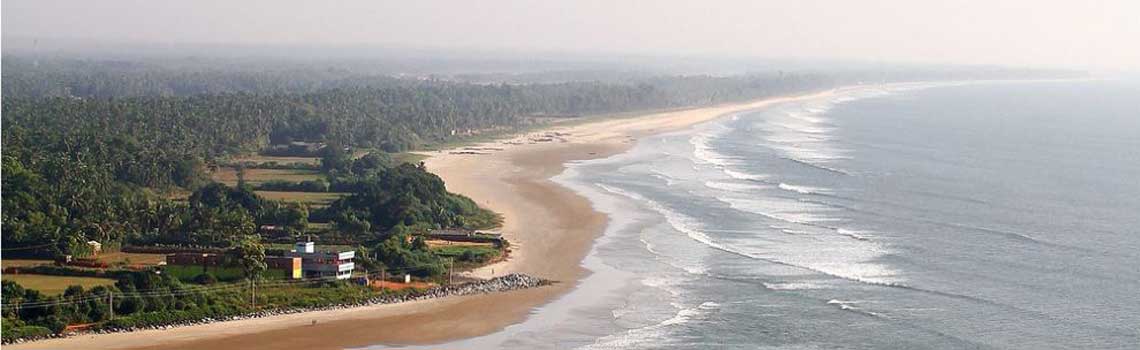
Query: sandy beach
<point x="550" y="227"/>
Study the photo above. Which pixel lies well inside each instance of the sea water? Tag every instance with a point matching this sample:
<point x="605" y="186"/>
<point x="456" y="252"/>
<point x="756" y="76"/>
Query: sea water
<point x="912" y="216"/>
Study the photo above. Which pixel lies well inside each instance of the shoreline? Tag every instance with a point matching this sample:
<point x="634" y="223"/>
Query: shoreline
<point x="551" y="228"/>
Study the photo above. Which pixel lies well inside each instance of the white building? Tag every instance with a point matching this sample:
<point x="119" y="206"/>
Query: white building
<point x="316" y="264"/>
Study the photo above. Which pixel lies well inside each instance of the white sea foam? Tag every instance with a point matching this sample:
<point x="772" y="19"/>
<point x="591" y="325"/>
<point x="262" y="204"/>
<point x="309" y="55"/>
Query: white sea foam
<point x="683" y="315"/>
<point x="801" y="127"/>
<point x="805" y="138"/>
<point x="786" y="210"/>
<point x="803" y="189"/>
<point x="669" y="180"/>
<point x="805" y="244"/>
<point x="815" y="253"/>
<point x="792" y="285"/>
<point x="858" y="235"/>
<point x="734" y="186"/>
<point x="819" y="166"/>
<point x="795" y="232"/>
<point x="645" y="336"/>
<point x="666" y="283"/>
<point x="708" y="305"/>
<point x="677" y="221"/>
<point x="703" y="150"/>
<point x="850" y="306"/>
<point x="810" y="118"/>
<point x="817" y="110"/>
<point x="743" y="175"/>
<point x="810" y="152"/>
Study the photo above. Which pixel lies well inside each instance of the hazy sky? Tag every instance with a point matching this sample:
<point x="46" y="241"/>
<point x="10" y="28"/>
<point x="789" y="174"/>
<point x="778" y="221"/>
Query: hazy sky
<point x="1068" y="33"/>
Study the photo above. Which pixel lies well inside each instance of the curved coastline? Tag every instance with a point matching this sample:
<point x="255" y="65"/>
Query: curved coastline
<point x="551" y="227"/>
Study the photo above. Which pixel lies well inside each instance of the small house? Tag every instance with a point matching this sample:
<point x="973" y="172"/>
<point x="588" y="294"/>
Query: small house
<point x="95" y="247"/>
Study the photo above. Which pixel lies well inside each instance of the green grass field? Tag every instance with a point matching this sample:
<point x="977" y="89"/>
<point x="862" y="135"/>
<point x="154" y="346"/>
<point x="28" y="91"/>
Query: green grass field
<point x="320" y="247"/>
<point x="52" y="285"/>
<point x="478" y="254"/>
<point x="310" y="198"/>
<point x="228" y="175"/>
<point x="120" y="258"/>
<point x="111" y="258"/>
<point x="23" y="263"/>
<point x="279" y="160"/>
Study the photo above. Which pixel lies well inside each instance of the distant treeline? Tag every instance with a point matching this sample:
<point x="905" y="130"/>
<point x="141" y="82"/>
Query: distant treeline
<point x="162" y="141"/>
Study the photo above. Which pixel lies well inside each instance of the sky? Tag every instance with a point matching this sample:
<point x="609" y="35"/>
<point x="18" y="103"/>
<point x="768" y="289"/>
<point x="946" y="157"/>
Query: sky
<point x="1085" y="34"/>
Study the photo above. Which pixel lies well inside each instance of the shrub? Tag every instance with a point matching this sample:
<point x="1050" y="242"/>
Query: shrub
<point x="12" y="333"/>
<point x="468" y="255"/>
<point x="55" y="324"/>
<point x="205" y="278"/>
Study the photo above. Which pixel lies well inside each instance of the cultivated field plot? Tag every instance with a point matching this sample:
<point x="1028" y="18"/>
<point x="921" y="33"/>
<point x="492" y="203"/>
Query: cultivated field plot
<point x="279" y="160"/>
<point x="228" y="175"/>
<point x="52" y="285"/>
<point x="437" y="243"/>
<point x="319" y="247"/>
<point x="120" y="258"/>
<point x="310" y="198"/>
<point x="23" y="262"/>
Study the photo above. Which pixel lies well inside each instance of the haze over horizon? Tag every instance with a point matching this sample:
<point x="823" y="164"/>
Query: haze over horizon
<point x="1099" y="35"/>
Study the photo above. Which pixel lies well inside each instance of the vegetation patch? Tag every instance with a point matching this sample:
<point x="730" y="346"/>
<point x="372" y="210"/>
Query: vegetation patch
<point x="310" y="198"/>
<point x="468" y="255"/>
<point x="54" y="285"/>
<point x="131" y="259"/>
<point x="260" y="159"/>
<point x="7" y="263"/>
<point x="254" y="176"/>
<point x="191" y="273"/>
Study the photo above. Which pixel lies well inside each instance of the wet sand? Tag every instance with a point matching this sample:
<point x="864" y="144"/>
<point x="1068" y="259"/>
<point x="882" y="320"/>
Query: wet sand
<point x="551" y="229"/>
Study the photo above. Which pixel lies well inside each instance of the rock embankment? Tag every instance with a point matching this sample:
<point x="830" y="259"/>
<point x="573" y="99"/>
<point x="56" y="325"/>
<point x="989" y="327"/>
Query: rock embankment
<point x="505" y="283"/>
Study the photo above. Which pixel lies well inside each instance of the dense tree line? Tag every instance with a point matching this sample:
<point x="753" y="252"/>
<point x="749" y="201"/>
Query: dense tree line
<point x="30" y="76"/>
<point x="53" y="208"/>
<point x="164" y="141"/>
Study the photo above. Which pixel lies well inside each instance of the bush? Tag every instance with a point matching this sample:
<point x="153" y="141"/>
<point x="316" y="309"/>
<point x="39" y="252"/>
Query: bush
<point x="468" y="255"/>
<point x="55" y="324"/>
<point x="205" y="278"/>
<point x="397" y="253"/>
<point x="303" y="186"/>
<point x="12" y="333"/>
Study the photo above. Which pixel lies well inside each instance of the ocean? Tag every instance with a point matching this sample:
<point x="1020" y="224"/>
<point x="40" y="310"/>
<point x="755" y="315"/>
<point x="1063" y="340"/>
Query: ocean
<point x="908" y="216"/>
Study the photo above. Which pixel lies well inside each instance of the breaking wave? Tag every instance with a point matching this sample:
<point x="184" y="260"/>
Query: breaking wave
<point x="851" y="266"/>
<point x="803" y="189"/>
<point x="733" y="186"/>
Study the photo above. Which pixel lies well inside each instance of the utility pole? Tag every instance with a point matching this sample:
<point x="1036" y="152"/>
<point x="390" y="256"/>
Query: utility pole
<point x="450" y="271"/>
<point x="111" y="304"/>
